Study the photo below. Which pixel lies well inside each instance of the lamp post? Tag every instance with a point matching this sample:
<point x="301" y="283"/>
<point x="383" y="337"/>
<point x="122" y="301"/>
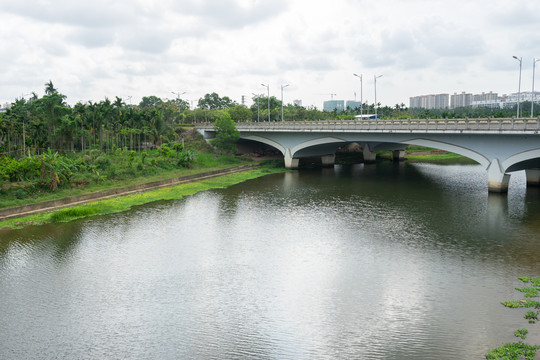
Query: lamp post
<point x="282" y="87"/>
<point x="519" y="86"/>
<point x="532" y="93"/>
<point x="178" y="94"/>
<point x="257" y="95"/>
<point x="375" y="77"/>
<point x="361" y="100"/>
<point x="268" y="88"/>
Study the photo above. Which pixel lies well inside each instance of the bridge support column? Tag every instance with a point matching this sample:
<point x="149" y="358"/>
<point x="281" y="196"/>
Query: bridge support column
<point x="497" y="178"/>
<point x="290" y="162"/>
<point x="533" y="177"/>
<point x="328" y="160"/>
<point x="398" y="155"/>
<point x="369" y="157"/>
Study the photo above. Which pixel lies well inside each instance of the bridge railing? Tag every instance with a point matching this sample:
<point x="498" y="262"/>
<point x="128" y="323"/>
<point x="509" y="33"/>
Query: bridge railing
<point x="483" y="124"/>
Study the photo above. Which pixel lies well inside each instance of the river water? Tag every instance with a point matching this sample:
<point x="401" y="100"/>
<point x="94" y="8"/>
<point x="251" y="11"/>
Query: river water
<point x="384" y="261"/>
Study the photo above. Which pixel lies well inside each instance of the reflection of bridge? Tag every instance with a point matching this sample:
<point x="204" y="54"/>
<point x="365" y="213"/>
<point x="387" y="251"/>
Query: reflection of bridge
<point x="499" y="145"/>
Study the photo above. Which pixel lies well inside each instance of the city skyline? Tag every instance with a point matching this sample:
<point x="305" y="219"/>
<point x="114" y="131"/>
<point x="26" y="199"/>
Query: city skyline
<point x="93" y="50"/>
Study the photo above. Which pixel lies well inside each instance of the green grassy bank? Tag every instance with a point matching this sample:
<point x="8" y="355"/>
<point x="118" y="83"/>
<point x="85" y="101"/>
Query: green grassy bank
<point x="443" y="159"/>
<point x="124" y="203"/>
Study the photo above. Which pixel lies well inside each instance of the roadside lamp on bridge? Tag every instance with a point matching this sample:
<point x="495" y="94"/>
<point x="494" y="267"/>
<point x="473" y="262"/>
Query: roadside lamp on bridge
<point x="178" y="97"/>
<point x="257" y="95"/>
<point x="282" y="87"/>
<point x="375" y="77"/>
<point x="268" y="88"/>
<point x="361" y="100"/>
<point x="519" y="86"/>
<point x="532" y="93"/>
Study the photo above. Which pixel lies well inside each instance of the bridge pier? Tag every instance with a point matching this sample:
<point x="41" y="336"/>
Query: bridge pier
<point x="328" y="160"/>
<point x="398" y="155"/>
<point x="533" y="177"/>
<point x="290" y="162"/>
<point x="369" y="157"/>
<point x="497" y="179"/>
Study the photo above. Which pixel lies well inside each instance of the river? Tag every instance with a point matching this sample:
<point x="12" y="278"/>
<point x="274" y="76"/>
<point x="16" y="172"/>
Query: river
<point x="384" y="261"/>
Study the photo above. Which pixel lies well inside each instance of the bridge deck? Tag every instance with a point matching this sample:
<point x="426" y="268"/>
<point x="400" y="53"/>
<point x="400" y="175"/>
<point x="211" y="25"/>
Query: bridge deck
<point x="396" y="125"/>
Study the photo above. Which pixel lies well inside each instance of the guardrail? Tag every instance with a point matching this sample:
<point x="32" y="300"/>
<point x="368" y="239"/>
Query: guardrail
<point x="452" y="125"/>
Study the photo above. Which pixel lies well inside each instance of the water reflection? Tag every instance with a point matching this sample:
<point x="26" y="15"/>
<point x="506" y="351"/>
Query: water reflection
<point x="371" y="261"/>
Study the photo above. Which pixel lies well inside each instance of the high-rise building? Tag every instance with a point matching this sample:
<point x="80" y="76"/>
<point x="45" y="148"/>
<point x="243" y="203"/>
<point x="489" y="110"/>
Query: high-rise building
<point x="331" y="105"/>
<point x="460" y="100"/>
<point x="435" y="101"/>
<point x="353" y="104"/>
<point x="490" y="96"/>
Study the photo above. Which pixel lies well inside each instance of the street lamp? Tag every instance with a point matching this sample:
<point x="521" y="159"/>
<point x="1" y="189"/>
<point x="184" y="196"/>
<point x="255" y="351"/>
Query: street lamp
<point x="257" y="95"/>
<point x="532" y="93"/>
<point x="282" y="87"/>
<point x="361" y="101"/>
<point x="178" y="94"/>
<point x="268" y="88"/>
<point x="375" y="77"/>
<point x="519" y="86"/>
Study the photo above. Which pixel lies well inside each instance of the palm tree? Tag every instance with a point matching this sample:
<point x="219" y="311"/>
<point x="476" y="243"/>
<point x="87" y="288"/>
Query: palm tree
<point x="49" y="88"/>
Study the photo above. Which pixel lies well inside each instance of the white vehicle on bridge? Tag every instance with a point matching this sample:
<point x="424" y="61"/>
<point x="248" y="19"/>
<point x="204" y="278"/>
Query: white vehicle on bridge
<point x="367" y="117"/>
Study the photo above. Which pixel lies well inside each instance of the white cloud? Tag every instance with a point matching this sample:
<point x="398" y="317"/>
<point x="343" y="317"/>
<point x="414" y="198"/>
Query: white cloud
<point x="136" y="48"/>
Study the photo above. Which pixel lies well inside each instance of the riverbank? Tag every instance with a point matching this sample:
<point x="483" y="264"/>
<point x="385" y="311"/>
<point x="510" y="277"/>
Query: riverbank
<point x="84" y="204"/>
<point x="123" y="199"/>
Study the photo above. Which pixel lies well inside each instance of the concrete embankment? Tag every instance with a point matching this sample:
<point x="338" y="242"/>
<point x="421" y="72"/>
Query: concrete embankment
<point x="19" y="211"/>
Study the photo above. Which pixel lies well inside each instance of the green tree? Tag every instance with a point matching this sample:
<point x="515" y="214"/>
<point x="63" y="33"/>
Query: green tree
<point x="226" y="133"/>
<point x="240" y="113"/>
<point x="150" y="101"/>
<point x="214" y="101"/>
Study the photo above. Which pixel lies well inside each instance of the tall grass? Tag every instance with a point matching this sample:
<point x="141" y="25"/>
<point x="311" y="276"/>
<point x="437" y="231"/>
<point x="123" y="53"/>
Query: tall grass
<point x="124" y="203"/>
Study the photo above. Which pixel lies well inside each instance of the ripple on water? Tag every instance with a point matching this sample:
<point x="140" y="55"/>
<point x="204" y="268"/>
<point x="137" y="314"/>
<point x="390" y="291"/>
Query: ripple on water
<point x="373" y="263"/>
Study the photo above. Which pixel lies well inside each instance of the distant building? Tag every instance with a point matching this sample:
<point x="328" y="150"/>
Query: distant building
<point x="506" y="101"/>
<point x="435" y="101"/>
<point x="353" y="104"/>
<point x="3" y="108"/>
<point x="489" y="100"/>
<point x="331" y="105"/>
<point x="297" y="102"/>
<point x="490" y="96"/>
<point x="461" y="100"/>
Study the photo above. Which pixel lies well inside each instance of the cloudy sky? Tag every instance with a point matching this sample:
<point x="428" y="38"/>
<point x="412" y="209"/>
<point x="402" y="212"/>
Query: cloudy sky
<point x="106" y="48"/>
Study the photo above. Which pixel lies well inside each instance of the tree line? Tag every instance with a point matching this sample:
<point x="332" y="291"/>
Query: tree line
<point x="36" y="124"/>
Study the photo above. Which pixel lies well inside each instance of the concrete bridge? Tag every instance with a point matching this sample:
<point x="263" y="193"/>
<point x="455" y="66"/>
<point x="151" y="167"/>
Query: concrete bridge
<point x="501" y="146"/>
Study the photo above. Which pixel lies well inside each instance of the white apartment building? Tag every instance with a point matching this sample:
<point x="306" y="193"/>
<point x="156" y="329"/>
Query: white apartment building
<point x="508" y="101"/>
<point x="434" y="101"/>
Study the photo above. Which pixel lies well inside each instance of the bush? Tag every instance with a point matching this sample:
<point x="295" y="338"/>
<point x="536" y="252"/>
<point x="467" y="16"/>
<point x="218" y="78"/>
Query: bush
<point x="185" y="158"/>
<point x="20" y="194"/>
<point x="226" y="133"/>
<point x="102" y="162"/>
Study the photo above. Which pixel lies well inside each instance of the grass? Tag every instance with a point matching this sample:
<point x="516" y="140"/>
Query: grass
<point x="124" y="203"/>
<point x="205" y="162"/>
<point x="443" y="159"/>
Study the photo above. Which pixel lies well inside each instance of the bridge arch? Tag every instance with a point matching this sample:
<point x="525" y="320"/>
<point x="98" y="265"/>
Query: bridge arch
<point x="266" y="141"/>
<point x="522" y="161"/>
<point x="471" y="154"/>
<point x="317" y="142"/>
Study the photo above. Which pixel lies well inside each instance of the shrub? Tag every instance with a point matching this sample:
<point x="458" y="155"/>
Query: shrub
<point x="102" y="162"/>
<point x="226" y="133"/>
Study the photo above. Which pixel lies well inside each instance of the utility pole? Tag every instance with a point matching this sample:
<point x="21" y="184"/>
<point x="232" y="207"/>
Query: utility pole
<point x="268" y="88"/>
<point x="361" y="100"/>
<point x="375" y="77"/>
<point x="257" y="95"/>
<point x="532" y="92"/>
<point x="282" y="87"/>
<point x="519" y="86"/>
